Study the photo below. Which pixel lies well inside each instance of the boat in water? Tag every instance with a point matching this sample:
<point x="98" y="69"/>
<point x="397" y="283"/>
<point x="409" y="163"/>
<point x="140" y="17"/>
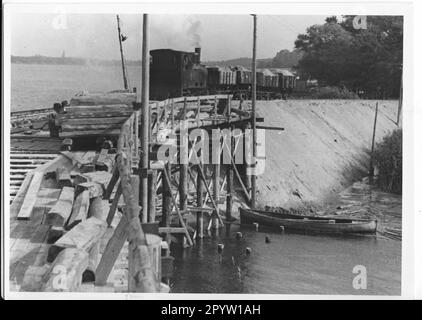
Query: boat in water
<point x="317" y="224"/>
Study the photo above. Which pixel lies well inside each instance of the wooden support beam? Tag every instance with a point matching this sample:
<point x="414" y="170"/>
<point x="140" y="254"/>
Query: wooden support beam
<point x="95" y="189"/>
<point x="152" y="195"/>
<point x="134" y="183"/>
<point x="166" y="199"/>
<point x="79" y="210"/>
<point x="183" y="187"/>
<point x="230" y="185"/>
<point x="216" y="189"/>
<point x="83" y="236"/>
<point x="105" y="161"/>
<point x="114" y="205"/>
<point x="65" y="274"/>
<point x="182" y="222"/>
<point x="112" y="183"/>
<point x="199" y="203"/>
<point x="60" y="213"/>
<point x="30" y="196"/>
<point x="63" y="177"/>
<point x="111" y="252"/>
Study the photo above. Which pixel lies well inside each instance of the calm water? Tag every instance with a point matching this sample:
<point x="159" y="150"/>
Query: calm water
<point x="37" y="86"/>
<point x="289" y="264"/>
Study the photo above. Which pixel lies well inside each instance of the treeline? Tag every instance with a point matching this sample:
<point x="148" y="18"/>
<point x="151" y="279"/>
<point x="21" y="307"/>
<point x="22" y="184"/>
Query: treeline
<point x="283" y="59"/>
<point x="368" y="60"/>
<point x="388" y="158"/>
<point x="38" y="59"/>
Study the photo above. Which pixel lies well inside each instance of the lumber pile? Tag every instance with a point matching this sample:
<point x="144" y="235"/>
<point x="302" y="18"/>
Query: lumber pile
<point x="75" y="223"/>
<point x="93" y="99"/>
<point x="92" y="119"/>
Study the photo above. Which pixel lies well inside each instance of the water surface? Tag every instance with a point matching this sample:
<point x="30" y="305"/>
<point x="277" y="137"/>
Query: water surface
<point x="289" y="264"/>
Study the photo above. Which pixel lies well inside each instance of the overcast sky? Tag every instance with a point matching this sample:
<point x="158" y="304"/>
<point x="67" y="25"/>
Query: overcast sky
<point x="95" y="36"/>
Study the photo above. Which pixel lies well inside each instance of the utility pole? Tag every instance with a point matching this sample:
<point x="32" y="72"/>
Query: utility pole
<point x="371" y="164"/>
<point x="253" y="177"/>
<point x="400" y="101"/>
<point x="121" y="54"/>
<point x="145" y="121"/>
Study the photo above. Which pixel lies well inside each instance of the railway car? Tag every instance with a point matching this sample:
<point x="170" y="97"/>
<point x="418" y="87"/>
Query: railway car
<point x="176" y="73"/>
<point x="221" y="78"/>
<point x="286" y="79"/>
<point x="243" y="77"/>
<point x="269" y="80"/>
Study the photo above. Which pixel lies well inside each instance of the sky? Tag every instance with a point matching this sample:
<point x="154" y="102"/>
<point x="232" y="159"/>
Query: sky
<point x="221" y="37"/>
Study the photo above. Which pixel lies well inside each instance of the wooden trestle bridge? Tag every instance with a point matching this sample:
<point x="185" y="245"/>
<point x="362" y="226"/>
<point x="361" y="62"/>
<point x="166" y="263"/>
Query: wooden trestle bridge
<point x="78" y="211"/>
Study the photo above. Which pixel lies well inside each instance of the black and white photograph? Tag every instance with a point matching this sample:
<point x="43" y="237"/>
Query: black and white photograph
<point x="178" y="150"/>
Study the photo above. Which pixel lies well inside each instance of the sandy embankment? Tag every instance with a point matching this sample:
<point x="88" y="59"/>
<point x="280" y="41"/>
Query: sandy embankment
<point x="322" y="150"/>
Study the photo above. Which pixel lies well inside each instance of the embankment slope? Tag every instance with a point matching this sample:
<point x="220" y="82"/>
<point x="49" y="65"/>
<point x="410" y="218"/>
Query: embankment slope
<point x="324" y="147"/>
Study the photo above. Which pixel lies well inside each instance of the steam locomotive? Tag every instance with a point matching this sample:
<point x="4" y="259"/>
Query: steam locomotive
<point x="178" y="73"/>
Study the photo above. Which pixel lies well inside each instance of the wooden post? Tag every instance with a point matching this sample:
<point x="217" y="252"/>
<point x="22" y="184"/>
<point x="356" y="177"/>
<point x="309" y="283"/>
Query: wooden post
<point x="137" y="137"/>
<point x="145" y="138"/>
<point x="371" y="164"/>
<point x="172" y="114"/>
<point x="216" y="194"/>
<point x="167" y="202"/>
<point x="134" y="182"/>
<point x="247" y="178"/>
<point x="253" y="177"/>
<point x="198" y="113"/>
<point x="152" y="194"/>
<point x="183" y="187"/>
<point x="199" y="201"/>
<point x="184" y="109"/>
<point x="125" y="83"/>
<point x="230" y="190"/>
<point x="400" y="101"/>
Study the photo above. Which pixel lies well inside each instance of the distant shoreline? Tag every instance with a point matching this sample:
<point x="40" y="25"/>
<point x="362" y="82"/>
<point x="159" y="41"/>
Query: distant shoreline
<point x="38" y="59"/>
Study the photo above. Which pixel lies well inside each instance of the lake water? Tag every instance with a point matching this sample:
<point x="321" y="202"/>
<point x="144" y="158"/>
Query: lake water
<point x="36" y="86"/>
<point x="289" y="264"/>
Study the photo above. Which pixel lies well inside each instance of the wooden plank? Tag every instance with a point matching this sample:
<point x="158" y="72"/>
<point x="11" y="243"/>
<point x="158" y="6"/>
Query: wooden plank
<point x="83" y="236"/>
<point x="20" y="196"/>
<point x="90" y="127"/>
<point x="63" y="177"/>
<point x="79" y="210"/>
<point x="99" y="108"/>
<point x="172" y="230"/>
<point x="40" y="156"/>
<point x="111" y="252"/>
<point x="31" y="196"/>
<point x="80" y="133"/>
<point x="61" y="211"/>
<point x="96" y="120"/>
<point x="114" y="205"/>
<point x="95" y="189"/>
<point x="89" y="114"/>
<point x="65" y="273"/>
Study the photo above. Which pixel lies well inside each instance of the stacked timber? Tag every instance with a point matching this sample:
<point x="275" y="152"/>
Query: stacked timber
<point x="93" y="120"/>
<point x="109" y="98"/>
<point x="76" y="224"/>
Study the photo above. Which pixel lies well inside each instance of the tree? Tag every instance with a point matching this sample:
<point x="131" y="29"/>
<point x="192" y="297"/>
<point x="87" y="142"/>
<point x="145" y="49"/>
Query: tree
<point x="368" y="59"/>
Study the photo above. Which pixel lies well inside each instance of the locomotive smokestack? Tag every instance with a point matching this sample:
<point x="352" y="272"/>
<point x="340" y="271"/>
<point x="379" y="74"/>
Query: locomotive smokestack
<point x="198" y="54"/>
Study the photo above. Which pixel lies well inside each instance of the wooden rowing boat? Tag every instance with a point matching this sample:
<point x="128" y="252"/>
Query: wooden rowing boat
<point x="336" y="225"/>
